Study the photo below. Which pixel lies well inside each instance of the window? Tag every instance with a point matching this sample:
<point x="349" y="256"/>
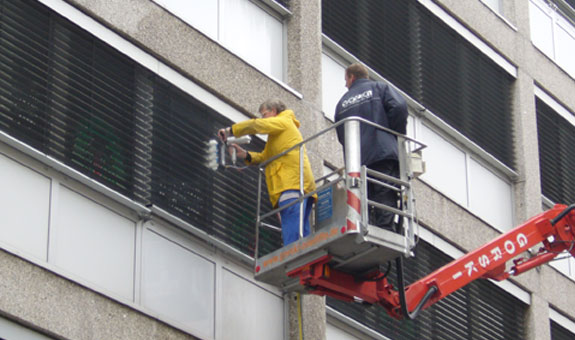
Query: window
<point x="467" y="180"/>
<point x="221" y="203"/>
<point x="556" y="135"/>
<point x="553" y="32"/>
<point x="24" y="199"/>
<point x="93" y="242"/>
<point x="332" y="84"/>
<point x="452" y="180"/>
<point x="560" y="333"/>
<point x="13" y="330"/>
<point x="495" y="5"/>
<point x="468" y="87"/>
<point x="449" y="76"/>
<point x="249" y="29"/>
<point x="562" y="328"/>
<point x="82" y="102"/>
<point x="334" y="333"/>
<point x="105" y="120"/>
<point x="178" y="283"/>
<point x="66" y="94"/>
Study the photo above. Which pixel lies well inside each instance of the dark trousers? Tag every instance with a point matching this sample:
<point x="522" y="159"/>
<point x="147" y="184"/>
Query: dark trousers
<point x="378" y="217"/>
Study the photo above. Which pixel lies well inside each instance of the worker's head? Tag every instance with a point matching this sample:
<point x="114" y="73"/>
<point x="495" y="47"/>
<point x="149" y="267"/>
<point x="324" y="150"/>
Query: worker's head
<point x="353" y="72"/>
<point x="271" y="108"/>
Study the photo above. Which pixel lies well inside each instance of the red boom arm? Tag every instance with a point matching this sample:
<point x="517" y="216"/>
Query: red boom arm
<point x="555" y="228"/>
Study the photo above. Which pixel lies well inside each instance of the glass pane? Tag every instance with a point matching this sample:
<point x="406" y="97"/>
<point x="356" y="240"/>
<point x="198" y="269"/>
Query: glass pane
<point x="335" y="333"/>
<point x="332" y="84"/>
<point x="12" y="330"/>
<point x="253" y="34"/>
<point x="178" y="283"/>
<point x="495" y="5"/>
<point x="562" y="265"/>
<point x="565" y="51"/>
<point x="445" y="166"/>
<point x="541" y="29"/>
<point x="201" y="14"/>
<point x="248" y="311"/>
<point x="25" y="202"/>
<point x="490" y="197"/>
<point x="94" y="243"/>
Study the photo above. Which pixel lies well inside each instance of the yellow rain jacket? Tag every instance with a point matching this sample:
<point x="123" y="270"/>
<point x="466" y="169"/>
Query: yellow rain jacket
<point x="283" y="173"/>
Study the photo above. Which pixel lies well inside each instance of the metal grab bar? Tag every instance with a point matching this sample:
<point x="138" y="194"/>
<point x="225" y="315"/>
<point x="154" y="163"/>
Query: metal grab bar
<point x="335" y="125"/>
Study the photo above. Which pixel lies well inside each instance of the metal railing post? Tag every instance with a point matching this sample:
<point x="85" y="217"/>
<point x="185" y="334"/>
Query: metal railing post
<point x="258" y="214"/>
<point x="353" y="167"/>
<point x="301" y="190"/>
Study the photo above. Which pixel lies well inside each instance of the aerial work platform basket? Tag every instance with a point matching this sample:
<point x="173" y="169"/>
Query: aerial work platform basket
<point x="341" y="234"/>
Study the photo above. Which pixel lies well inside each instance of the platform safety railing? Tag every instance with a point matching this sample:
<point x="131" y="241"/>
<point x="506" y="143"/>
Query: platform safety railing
<point x="356" y="177"/>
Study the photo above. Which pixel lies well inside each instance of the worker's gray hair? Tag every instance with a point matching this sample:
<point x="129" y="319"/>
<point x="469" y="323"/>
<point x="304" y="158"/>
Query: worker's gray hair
<point x="271" y="104"/>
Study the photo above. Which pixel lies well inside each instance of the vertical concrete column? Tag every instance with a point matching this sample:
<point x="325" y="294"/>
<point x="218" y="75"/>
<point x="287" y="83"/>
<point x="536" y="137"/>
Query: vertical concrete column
<point x="304" y="59"/>
<point x="538" y="327"/>
<point x="528" y="185"/>
<point x="306" y="317"/>
<point x="304" y="75"/>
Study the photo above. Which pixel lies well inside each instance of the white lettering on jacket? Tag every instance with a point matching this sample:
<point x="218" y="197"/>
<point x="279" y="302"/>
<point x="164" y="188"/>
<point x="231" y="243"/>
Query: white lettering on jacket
<point x="358" y="98"/>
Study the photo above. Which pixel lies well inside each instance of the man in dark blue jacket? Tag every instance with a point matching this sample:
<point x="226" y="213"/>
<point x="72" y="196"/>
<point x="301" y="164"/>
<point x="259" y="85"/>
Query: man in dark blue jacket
<point x="377" y="102"/>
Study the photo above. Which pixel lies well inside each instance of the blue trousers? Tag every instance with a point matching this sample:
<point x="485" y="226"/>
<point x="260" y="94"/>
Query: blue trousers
<point x="290" y="220"/>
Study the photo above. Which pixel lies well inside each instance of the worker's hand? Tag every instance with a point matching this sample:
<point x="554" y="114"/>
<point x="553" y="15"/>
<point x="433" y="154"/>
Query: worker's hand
<point x="240" y="152"/>
<point x="224" y="133"/>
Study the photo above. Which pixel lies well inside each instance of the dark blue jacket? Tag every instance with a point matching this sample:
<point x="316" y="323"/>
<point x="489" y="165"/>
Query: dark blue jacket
<point x="381" y="104"/>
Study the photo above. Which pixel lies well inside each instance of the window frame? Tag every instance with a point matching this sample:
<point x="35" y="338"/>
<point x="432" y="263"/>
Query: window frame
<point x="559" y="20"/>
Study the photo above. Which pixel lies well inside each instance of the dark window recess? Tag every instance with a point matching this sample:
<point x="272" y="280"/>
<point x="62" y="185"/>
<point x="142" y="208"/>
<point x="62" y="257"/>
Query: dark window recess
<point x="284" y="3"/>
<point x="24" y="57"/>
<point x="558" y="332"/>
<point x="480" y="310"/>
<point x="74" y="98"/>
<point x="556" y="154"/>
<point x="220" y="202"/>
<point x="571" y="3"/>
<point x="66" y="94"/>
<point x="92" y="108"/>
<point x="417" y="52"/>
<point x="566" y="8"/>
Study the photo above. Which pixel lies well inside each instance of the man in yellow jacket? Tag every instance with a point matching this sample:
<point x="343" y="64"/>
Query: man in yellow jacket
<point x="282" y="174"/>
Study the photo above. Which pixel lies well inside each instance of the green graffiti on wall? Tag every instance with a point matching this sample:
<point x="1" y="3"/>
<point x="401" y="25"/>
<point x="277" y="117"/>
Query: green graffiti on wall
<point x="97" y="149"/>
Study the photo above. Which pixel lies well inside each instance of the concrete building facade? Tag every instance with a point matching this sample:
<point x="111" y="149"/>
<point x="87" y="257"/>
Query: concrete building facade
<point x="114" y="227"/>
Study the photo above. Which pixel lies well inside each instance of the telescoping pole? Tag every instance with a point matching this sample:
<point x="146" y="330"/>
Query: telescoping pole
<point x="353" y="171"/>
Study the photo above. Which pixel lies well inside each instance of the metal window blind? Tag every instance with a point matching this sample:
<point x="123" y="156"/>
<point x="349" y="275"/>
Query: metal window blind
<point x="479" y="311"/>
<point x="556" y="138"/>
<point x="417" y="52"/>
<point x="223" y="202"/>
<point x="24" y="47"/>
<point x="71" y="96"/>
<point x="65" y="94"/>
<point x="558" y="332"/>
